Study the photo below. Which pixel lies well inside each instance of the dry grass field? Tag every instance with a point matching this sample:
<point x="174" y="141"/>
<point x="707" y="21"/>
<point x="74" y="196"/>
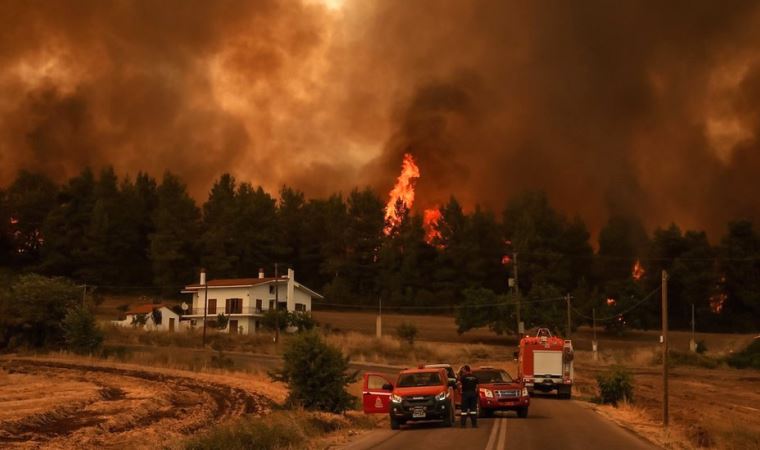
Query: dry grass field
<point x="66" y="402"/>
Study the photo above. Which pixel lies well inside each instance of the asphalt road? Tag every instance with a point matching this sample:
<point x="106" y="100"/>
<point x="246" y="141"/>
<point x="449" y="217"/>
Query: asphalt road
<point x="551" y="424"/>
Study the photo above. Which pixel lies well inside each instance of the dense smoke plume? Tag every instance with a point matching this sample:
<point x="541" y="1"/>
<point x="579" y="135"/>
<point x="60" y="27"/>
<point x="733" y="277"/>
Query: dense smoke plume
<point x="647" y="108"/>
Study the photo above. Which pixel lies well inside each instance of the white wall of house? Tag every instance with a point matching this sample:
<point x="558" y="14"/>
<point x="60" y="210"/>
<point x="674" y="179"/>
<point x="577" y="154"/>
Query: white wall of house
<point x="169" y="321"/>
<point x="255" y="300"/>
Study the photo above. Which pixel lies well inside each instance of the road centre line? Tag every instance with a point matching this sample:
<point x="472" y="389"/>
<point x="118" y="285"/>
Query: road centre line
<point x="496" y="431"/>
<point x="502" y="435"/>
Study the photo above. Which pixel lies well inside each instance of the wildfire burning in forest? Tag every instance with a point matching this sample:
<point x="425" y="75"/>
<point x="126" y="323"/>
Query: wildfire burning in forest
<point x="430" y="220"/>
<point x="401" y="196"/>
<point x="638" y="271"/>
<point x="401" y="200"/>
<point x="717" y="302"/>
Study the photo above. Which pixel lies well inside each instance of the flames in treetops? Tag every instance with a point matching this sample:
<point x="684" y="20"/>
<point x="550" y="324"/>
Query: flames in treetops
<point x="638" y="270"/>
<point x="430" y="219"/>
<point x="401" y="199"/>
<point x="401" y="196"/>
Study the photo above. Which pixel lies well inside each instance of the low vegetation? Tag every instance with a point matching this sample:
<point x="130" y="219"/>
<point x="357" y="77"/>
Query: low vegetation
<point x="615" y="385"/>
<point x="747" y="358"/>
<point x="317" y="374"/>
<point x="280" y="430"/>
<point x="81" y="332"/>
<point x="407" y="332"/>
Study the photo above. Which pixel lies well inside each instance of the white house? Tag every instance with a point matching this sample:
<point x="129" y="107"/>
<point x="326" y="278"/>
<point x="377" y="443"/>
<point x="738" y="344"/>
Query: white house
<point x="157" y="317"/>
<point x="245" y="300"/>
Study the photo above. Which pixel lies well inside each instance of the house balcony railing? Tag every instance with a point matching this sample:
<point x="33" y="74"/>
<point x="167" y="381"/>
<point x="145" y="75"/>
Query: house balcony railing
<point x="247" y="311"/>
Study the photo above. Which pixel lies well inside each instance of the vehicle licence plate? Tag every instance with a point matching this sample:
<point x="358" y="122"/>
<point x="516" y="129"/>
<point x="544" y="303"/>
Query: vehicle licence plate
<point x="418" y="412"/>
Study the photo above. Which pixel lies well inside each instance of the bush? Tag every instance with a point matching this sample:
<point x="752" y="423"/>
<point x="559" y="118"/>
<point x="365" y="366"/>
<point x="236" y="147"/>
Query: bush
<point x="301" y="320"/>
<point x="221" y="321"/>
<point x="32" y="310"/>
<point x="701" y="347"/>
<point x="316" y="373"/>
<point x="407" y="332"/>
<point x="81" y="332"/>
<point x="273" y="319"/>
<point x="749" y="358"/>
<point x="615" y="385"/>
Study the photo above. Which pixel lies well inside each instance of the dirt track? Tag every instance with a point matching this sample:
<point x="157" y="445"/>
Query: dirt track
<point x="47" y="403"/>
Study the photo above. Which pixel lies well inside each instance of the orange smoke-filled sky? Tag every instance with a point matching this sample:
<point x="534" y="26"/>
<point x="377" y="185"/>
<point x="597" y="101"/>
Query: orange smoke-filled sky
<point x="646" y="108"/>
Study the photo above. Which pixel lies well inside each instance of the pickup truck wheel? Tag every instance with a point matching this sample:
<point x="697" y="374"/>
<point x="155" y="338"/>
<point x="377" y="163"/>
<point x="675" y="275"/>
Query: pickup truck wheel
<point x="448" y="421"/>
<point x="395" y="424"/>
<point x="522" y="412"/>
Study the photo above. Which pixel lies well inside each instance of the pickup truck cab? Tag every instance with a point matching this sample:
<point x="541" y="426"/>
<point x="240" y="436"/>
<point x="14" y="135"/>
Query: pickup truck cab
<point x="498" y="391"/>
<point x="417" y="395"/>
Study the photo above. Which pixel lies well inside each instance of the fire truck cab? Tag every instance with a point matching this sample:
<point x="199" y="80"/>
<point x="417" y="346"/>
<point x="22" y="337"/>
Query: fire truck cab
<point x="545" y="363"/>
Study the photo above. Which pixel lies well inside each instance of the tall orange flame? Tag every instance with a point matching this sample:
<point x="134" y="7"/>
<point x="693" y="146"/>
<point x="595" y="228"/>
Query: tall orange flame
<point x="402" y="193"/>
<point x="638" y="271"/>
<point x="430" y="219"/>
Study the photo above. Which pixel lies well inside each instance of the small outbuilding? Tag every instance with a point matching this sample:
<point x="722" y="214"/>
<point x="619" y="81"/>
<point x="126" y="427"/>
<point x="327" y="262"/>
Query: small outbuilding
<point x="151" y="317"/>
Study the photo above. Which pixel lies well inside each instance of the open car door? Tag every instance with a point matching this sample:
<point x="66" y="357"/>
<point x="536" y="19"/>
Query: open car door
<point x="375" y="399"/>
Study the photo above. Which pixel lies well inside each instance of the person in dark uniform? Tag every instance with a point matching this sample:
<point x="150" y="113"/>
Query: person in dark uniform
<point x="469" y="397"/>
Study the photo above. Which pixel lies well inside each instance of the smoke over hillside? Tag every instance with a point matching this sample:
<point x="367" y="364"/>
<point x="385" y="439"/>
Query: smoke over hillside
<point x="652" y="109"/>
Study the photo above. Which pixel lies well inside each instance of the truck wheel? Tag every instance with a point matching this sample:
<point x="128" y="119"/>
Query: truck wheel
<point x="522" y="412"/>
<point x="448" y="421"/>
<point x="395" y="424"/>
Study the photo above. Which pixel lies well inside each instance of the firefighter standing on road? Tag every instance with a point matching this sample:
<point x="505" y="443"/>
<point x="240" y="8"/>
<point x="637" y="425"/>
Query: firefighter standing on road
<point x="469" y="397"/>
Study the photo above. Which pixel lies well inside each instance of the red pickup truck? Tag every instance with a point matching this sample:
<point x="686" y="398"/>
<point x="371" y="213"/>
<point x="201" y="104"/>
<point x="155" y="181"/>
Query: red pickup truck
<point x="500" y="392"/>
<point x="418" y="394"/>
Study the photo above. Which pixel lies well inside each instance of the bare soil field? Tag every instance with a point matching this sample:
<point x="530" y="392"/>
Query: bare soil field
<point x="62" y="403"/>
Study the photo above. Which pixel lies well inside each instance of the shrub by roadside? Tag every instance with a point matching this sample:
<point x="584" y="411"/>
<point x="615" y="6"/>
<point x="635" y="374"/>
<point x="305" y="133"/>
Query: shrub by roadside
<point x="317" y="374"/>
<point x="615" y="385"/>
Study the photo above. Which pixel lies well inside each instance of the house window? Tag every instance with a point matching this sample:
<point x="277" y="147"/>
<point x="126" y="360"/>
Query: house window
<point x="271" y="304"/>
<point x="234" y="305"/>
<point x="271" y="289"/>
<point x="300" y="307"/>
<point x="258" y="305"/>
<point x="212" y="306"/>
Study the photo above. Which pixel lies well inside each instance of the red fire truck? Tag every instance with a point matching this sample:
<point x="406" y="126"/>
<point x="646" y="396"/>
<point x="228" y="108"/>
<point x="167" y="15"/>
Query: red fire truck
<point x="545" y="363"/>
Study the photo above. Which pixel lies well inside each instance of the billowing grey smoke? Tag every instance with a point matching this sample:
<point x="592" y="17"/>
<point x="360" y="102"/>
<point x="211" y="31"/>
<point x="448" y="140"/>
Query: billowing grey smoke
<point x="651" y="108"/>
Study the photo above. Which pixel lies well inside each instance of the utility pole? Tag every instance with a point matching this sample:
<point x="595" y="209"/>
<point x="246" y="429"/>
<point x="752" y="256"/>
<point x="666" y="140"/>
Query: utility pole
<point x="593" y="330"/>
<point x="665" y="349"/>
<point x="692" y="341"/>
<point x="569" y="327"/>
<point x="379" y="322"/>
<point x="276" y="304"/>
<point x="205" y="305"/>
<point x="84" y="295"/>
<point x="517" y="294"/>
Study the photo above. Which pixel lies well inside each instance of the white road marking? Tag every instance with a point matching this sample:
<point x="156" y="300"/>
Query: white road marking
<point x="496" y="431"/>
<point x="502" y="435"/>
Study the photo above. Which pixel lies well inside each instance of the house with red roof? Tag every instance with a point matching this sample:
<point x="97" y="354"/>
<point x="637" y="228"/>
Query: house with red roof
<point x="151" y="317"/>
<point x="245" y="300"/>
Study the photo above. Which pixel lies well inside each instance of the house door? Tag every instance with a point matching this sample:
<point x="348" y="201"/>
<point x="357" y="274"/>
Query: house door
<point x="233" y="327"/>
<point x="171" y="324"/>
<point x="376" y="399"/>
